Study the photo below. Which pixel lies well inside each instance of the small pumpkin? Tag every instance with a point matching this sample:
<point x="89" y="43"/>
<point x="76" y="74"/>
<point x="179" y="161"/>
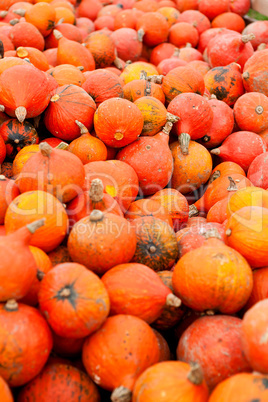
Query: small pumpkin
<point x="152" y="28"/>
<point x="251" y="112"/>
<point x="8" y="191"/>
<point x="212" y="8"/>
<point x="182" y="33"/>
<point x="42" y="16"/>
<point x="66" y="74"/>
<point x="136" y="89"/>
<point x="18" y="135"/>
<point x="229" y="20"/>
<point x="254" y="75"/>
<point x="260" y="287"/>
<point x="26" y="34"/>
<point x="22" y="156"/>
<point x="36" y="57"/>
<point x="127" y="43"/>
<point x="226" y="169"/>
<point x="133" y="71"/>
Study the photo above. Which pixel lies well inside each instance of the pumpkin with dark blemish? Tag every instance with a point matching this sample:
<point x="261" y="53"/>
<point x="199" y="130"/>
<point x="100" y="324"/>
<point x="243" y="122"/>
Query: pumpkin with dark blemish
<point x="17" y="135"/>
<point x="225" y="82"/>
<point x="156" y="243"/>
<point x="75" y="294"/>
<point x="209" y="287"/>
<point x="102" y="47"/>
<point x="214" y="339"/>
<point x="61" y="382"/>
<point x="255" y="73"/>
<point x="136" y="89"/>
<point x="22" y="356"/>
<point x="59" y="255"/>
<point x="116" y="355"/>
<point x="252" y="386"/>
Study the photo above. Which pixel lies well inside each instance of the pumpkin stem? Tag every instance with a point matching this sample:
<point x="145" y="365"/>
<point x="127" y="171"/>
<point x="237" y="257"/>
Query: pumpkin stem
<point x="184" y="140"/>
<point x="189" y="44"/>
<point x="232" y="185"/>
<point x="96" y="215"/>
<point x="212" y="233"/>
<point x="245" y="75"/>
<point x="58" y="35"/>
<point x="247" y="38"/>
<point x="259" y="109"/>
<point x="96" y="190"/>
<point x="156" y="79"/>
<point x="121" y="394"/>
<point x="118" y="64"/>
<point x="172" y="118"/>
<point x="210" y="312"/>
<point x="262" y="46"/>
<point x="20" y="11"/>
<point x="45" y="149"/>
<point x="59" y="22"/>
<point x="176" y="52"/>
<point x="228" y="232"/>
<point x="40" y="275"/>
<point x="215" y="151"/>
<point x="193" y="211"/>
<point x="11" y="305"/>
<point x="55" y="98"/>
<point x="22" y="52"/>
<point x="81" y="68"/>
<point x="2" y="177"/>
<point x="206" y="138"/>
<point x="167" y="128"/>
<point x="213" y="96"/>
<point x="215" y="176"/>
<point x="3" y="14"/>
<point x="32" y="227"/>
<point x="141" y="34"/>
<point x="152" y="249"/>
<point x="20" y="113"/>
<point x="143" y="75"/>
<point x="128" y="62"/>
<point x="2" y="108"/>
<point x="14" y="21"/>
<point x="172" y="300"/>
<point x="195" y="375"/>
<point x="83" y="129"/>
<point x="118" y="136"/>
<point x="62" y="145"/>
<point x="66" y="292"/>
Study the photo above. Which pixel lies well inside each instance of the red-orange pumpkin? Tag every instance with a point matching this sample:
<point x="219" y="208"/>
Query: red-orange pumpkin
<point x="17" y="135"/>
<point x="152" y="28"/>
<point x="148" y="207"/>
<point x="8" y="191"/>
<point x="102" y="48"/>
<point x="260" y="287"/>
<point x="251" y="112"/>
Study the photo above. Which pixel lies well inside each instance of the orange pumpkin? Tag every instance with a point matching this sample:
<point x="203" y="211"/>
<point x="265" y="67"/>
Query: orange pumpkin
<point x="8" y="191"/>
<point x="152" y="28"/>
<point x="260" y="287"/>
<point x="26" y="34"/>
<point x="136" y="89"/>
<point x="202" y="287"/>
<point x="251" y="112"/>
<point x="36" y="57"/>
<point x="118" y="122"/>
<point x="172" y="380"/>
<point x="120" y="336"/>
<point x="5" y="393"/>
<point x="62" y="380"/>
<point x="165" y="353"/>
<point x="22" y="356"/>
<point x="59" y="255"/>
<point x="102" y="47"/>
<point x="32" y="205"/>
<point x="64" y="13"/>
<point x="247" y="197"/>
<point x="102" y="241"/>
<point x="226" y="169"/>
<point x="218" y="212"/>
<point x="22" y="156"/>
<point x="133" y="71"/>
<point x="147" y="207"/>
<point x="42" y="16"/>
<point x="70" y="31"/>
<point x="67" y="74"/>
<point x="254" y="73"/>
<point x="63" y="292"/>
<point x="7" y="170"/>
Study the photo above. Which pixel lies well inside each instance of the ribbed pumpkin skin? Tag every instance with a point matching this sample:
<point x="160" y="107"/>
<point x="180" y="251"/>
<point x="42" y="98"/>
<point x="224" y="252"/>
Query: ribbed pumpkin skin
<point x="69" y="103"/>
<point x="135" y="289"/>
<point x="168" y="379"/>
<point x="44" y="205"/>
<point x="208" y="286"/>
<point x="102" y="245"/>
<point x="214" y="335"/>
<point x="22" y="356"/>
<point x="60" y="382"/>
<point x="19" y="85"/>
<point x="260" y="287"/>
<point x="241" y="388"/>
<point x="120" y="351"/>
<point x="156" y="243"/>
<point x="254" y="336"/>
<point x="133" y="71"/>
<point x="118" y="122"/>
<point x="81" y="312"/>
<point x="249" y="234"/>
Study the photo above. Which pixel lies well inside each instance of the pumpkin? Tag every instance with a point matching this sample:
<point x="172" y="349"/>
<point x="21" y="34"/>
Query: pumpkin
<point x="51" y="56"/>
<point x="197" y="19"/>
<point x="67" y="347"/>
<point x="165" y="354"/>
<point x="195" y="115"/>
<point x="214" y="334"/>
<point x="119" y="180"/>
<point x="221" y="188"/>
<point x="212" y="8"/>
<point x="260" y="287"/>
<point x="222" y="124"/>
<point x="118" y="122"/>
<point x="241" y="147"/>
<point x="136" y="290"/>
<point x="5" y="392"/>
<point x="183" y="5"/>
<point x="17" y="135"/>
<point x="143" y="87"/>
<point x="105" y="21"/>
<point x="41" y="173"/>
<point x="87" y="148"/>
<point x="254" y="336"/>
<point x="59" y="255"/>
<point x="192" y="165"/>
<point x="188" y="53"/>
<point x="89" y="9"/>
<point x="254" y="75"/>
<point x="156" y="243"/>
<point x="257" y="171"/>
<point x="240" y="7"/>
<point x="133" y="71"/>
<point x="70" y="31"/>
<point x="102" y="48"/>
<point x="201" y="66"/>
<point x="102" y="85"/>
<point x="151" y="159"/>
<point x="63" y="381"/>
<point x="219" y="264"/>
<point x="42" y="16"/>
<point x="166" y="65"/>
<point x="127" y="43"/>
<point x="161" y="52"/>
<point x="22" y="357"/>
<point x="95" y="198"/>
<point x="32" y="205"/>
<point x="225" y="83"/>
<point x="68" y="104"/>
<point x="86" y="246"/>
<point x="21" y="266"/>
<point x="22" y="156"/>
<point x="66" y="74"/>
<point x="247" y="197"/>
<point x="205" y="37"/>
<point x="247" y="233"/>
<point x="132" y="346"/>
<point x="36" y="57"/>
<point x="229" y="20"/>
<point x="172" y="380"/>
<point x="147" y="207"/>
<point x="8" y="191"/>
<point x="260" y="30"/>
<point x="180" y="80"/>
<point x="72" y="52"/>
<point x="63" y="292"/>
<point x="218" y="212"/>
<point x="64" y="13"/>
<point x="126" y="18"/>
<point x="233" y="389"/>
<point x="251" y="112"/>
<point x="19" y="85"/>
<point x="182" y="33"/>
<point x="226" y="169"/>
<point x="26" y="34"/>
<point x="152" y="28"/>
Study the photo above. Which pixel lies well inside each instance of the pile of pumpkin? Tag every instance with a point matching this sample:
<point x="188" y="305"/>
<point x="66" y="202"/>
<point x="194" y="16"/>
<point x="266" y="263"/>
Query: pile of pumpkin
<point x="133" y="201"/>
